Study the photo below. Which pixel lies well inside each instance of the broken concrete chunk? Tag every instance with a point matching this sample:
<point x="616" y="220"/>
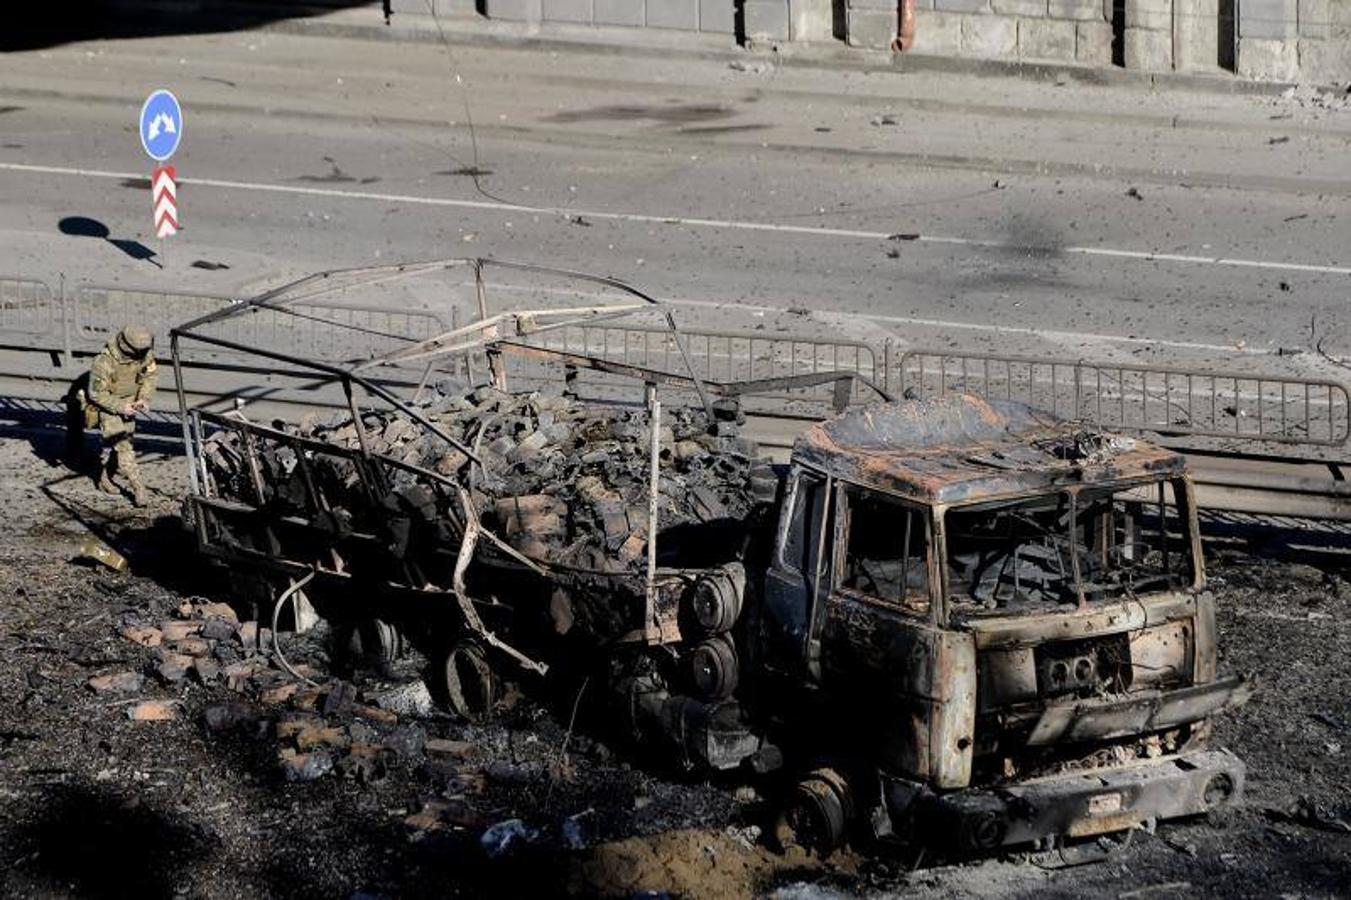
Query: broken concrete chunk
<point x="217" y="629"/>
<point x="153" y="711"/>
<point x="364" y="763"/>
<point x="450" y="463"/>
<point x="280" y="694"/>
<point x="117" y="683"/>
<point x="447" y="748"/>
<point x="310" y="737"/>
<point x="218" y="611"/>
<point x="375" y="714"/>
<point x="528" y="447"/>
<point x="288" y="726"/>
<point x="145" y="635"/>
<point x="305" y="766"/>
<point x="192" y="646"/>
<point x="407" y="741"/>
<point x="174" y="667"/>
<point x="339" y="699"/>
<point x="178" y="631"/>
<point x="412" y="699"/>
<point x="632" y="548"/>
<point x="206" y="670"/>
<point x="687" y="450"/>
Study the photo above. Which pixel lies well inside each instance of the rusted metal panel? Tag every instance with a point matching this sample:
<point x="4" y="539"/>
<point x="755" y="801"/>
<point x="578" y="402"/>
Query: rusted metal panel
<point x="1105" y="719"/>
<point x="952" y="736"/>
<point x="967" y="449"/>
<point x="1088" y="803"/>
<point x="1163" y="654"/>
<point x="1018" y="631"/>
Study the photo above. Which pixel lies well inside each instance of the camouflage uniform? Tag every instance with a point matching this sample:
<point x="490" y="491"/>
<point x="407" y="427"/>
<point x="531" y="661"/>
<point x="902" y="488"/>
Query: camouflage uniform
<point x="122" y="374"/>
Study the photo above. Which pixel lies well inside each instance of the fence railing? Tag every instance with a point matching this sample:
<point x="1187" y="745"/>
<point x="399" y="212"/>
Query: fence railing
<point x="1157" y="399"/>
<point x="28" y="307"/>
<point x="721" y="356"/>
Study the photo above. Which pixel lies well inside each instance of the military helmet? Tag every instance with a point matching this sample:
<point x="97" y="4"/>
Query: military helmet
<point x="135" y="340"/>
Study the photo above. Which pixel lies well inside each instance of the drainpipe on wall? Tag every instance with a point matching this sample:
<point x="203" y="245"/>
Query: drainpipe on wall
<point x="905" y="36"/>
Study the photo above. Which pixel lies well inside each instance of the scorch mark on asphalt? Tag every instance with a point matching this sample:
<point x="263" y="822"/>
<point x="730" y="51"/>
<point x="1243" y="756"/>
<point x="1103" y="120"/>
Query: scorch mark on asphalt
<point x="695" y="222"/>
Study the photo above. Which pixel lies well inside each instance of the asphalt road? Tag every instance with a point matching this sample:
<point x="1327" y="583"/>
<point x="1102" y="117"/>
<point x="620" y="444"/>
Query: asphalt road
<point x="1069" y="220"/>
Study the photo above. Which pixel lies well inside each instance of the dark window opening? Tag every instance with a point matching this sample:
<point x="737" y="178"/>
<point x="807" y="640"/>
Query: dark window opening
<point x="799" y="551"/>
<point x="886" y="556"/>
<point x="1042" y="553"/>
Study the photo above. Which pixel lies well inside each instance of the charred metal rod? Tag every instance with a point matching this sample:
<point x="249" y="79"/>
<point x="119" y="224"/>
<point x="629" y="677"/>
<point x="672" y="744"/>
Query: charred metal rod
<point x="338" y="374"/>
<point x="290" y="594"/>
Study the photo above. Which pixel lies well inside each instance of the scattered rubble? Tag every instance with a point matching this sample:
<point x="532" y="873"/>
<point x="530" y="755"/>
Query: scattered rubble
<point x="1309" y="96"/>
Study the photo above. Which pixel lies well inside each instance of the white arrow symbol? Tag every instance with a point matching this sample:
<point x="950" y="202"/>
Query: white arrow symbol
<point x="163" y="120"/>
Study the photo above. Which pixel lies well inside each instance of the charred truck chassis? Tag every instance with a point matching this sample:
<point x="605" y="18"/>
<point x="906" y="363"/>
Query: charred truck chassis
<point x="966" y="621"/>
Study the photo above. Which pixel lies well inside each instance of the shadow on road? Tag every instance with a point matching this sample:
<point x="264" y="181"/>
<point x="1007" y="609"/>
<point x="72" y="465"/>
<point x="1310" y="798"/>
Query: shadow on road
<point x="81" y="226"/>
<point x="50" y="25"/>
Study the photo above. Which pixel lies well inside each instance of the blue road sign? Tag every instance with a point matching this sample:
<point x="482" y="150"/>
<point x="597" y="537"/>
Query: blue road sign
<point x="161" y="125"/>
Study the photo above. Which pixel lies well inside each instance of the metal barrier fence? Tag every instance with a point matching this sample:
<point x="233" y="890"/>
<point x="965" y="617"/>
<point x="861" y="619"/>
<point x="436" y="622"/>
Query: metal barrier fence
<point x="28" y="307"/>
<point x="715" y="356"/>
<point x="1161" y="400"/>
<point x="321" y="331"/>
<point x="1157" y="399"/>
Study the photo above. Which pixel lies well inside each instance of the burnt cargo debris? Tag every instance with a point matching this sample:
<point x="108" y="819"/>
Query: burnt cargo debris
<point x="563" y="482"/>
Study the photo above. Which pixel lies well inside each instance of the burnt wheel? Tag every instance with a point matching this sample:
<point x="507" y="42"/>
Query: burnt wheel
<point x="375" y="642"/>
<point x="817" y="814"/>
<point x="471" y="687"/>
<point x="713" y="668"/>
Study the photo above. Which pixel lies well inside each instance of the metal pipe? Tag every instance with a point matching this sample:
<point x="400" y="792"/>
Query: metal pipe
<point x="905" y="35"/>
<point x="359" y="425"/>
<point x="338" y="375"/>
<point x="290" y="594"/>
<point x="653" y="491"/>
<point x="188" y="448"/>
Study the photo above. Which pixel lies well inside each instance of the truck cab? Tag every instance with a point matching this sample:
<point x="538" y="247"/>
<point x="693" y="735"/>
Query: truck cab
<point x="1005" y="616"/>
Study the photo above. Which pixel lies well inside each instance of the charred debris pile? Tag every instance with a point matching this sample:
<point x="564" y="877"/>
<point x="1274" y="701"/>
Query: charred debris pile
<point x="561" y="480"/>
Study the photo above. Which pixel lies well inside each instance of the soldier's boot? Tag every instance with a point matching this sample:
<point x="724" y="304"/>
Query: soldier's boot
<point x="105" y="481"/>
<point x="126" y="464"/>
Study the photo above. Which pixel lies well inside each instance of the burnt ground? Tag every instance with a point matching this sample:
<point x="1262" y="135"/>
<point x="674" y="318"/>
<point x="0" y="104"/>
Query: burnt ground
<point x="95" y="804"/>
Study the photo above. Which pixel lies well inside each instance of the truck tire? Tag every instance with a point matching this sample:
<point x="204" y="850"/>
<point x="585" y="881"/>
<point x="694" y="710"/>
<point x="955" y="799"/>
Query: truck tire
<point x="714" y="603"/>
<point x="817" y="814"/>
<point x="713" y="668"/>
<point x="469" y="682"/>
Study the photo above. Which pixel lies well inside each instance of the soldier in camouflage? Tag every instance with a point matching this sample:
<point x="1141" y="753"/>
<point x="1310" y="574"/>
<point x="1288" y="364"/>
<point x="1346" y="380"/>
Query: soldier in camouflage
<point x="121" y="385"/>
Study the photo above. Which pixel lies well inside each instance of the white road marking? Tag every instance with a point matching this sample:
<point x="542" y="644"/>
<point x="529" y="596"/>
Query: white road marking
<point x="730" y="224"/>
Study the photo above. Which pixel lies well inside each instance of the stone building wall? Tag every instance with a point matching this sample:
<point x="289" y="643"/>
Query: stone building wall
<point x="765" y="20"/>
<point x="1265" y="40"/>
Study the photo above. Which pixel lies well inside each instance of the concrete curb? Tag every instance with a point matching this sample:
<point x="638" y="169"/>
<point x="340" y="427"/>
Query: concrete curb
<point x="473" y="31"/>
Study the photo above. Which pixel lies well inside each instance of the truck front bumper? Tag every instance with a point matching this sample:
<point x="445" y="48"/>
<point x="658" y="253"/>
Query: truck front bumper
<point x="1090" y="802"/>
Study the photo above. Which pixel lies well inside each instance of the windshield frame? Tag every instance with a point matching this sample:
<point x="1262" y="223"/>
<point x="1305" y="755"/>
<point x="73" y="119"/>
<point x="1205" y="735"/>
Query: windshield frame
<point x="1184" y="502"/>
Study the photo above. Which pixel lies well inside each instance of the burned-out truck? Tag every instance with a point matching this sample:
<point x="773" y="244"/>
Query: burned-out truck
<point x="955" y="619"/>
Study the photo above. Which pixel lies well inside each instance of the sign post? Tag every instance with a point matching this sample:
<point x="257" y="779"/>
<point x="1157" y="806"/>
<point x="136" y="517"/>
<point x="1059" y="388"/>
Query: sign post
<point x="161" y="130"/>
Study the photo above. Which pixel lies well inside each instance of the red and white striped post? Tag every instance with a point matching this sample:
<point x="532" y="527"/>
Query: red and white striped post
<point x="165" y="194"/>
